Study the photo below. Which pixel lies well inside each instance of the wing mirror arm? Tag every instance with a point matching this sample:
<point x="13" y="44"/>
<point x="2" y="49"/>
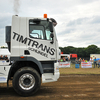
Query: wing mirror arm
<point x="51" y="30"/>
<point x="52" y="36"/>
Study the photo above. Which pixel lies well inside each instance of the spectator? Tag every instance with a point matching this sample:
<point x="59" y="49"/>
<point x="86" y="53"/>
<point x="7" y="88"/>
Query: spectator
<point x="67" y="59"/>
<point x="76" y="61"/>
<point x="1" y="57"/>
<point x="61" y="60"/>
<point x="80" y="61"/>
<point x="91" y="59"/>
<point x="99" y="64"/>
<point x="64" y="60"/>
<point x="95" y="62"/>
<point x="83" y="60"/>
<point x="6" y="58"/>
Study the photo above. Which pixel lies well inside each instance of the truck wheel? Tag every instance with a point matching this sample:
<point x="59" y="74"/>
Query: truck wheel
<point x="26" y="81"/>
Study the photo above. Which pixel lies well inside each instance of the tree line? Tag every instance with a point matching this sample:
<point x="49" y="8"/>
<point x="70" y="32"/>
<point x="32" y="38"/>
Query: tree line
<point x="81" y="52"/>
<point x="3" y="47"/>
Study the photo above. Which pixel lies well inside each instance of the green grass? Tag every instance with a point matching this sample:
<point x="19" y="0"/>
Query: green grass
<point x="73" y="70"/>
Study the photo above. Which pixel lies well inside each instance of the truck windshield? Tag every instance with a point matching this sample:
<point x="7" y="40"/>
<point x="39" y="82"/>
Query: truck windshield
<point x="40" y="30"/>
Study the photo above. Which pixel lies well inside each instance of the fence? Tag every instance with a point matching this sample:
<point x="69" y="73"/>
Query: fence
<point x="64" y="64"/>
<point x="67" y="64"/>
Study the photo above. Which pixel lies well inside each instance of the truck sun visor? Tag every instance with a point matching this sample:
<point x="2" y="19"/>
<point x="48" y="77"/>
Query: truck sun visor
<point x="37" y="21"/>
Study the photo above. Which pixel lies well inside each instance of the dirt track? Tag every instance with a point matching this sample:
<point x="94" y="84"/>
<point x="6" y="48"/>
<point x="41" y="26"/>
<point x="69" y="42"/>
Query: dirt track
<point x="70" y="87"/>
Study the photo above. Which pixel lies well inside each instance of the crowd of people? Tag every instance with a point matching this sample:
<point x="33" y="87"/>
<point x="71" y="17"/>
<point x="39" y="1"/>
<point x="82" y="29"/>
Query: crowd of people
<point x="95" y="61"/>
<point x="64" y="59"/>
<point x="78" y="61"/>
<point x="4" y="58"/>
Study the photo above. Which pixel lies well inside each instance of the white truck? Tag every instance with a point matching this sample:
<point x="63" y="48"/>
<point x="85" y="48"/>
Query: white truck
<point x="34" y="50"/>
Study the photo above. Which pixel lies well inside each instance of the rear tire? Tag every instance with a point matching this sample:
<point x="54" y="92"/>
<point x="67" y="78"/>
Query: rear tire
<point x="26" y="81"/>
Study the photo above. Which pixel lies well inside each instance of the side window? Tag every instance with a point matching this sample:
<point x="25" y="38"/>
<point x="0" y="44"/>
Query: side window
<point x="40" y="30"/>
<point x="37" y="32"/>
<point x="48" y="34"/>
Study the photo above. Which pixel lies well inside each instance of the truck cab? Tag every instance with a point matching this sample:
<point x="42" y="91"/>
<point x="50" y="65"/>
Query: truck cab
<point x="34" y="50"/>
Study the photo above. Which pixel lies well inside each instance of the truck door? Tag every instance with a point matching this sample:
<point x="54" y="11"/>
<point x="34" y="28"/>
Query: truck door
<point x="39" y="41"/>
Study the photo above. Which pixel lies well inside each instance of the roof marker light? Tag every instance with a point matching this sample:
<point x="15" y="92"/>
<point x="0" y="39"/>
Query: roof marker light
<point x="45" y="15"/>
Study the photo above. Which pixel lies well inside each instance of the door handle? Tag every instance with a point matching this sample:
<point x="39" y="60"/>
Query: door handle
<point x="26" y="52"/>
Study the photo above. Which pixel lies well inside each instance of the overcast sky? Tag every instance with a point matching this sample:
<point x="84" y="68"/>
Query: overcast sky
<point x="78" y="20"/>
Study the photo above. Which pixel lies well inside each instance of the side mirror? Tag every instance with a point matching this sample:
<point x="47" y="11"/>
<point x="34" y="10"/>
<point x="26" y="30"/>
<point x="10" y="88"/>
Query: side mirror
<point x="51" y="26"/>
<point x="52" y="35"/>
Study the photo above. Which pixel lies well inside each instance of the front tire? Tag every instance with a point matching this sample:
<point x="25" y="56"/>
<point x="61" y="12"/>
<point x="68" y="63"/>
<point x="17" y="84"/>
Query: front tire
<point x="26" y="81"/>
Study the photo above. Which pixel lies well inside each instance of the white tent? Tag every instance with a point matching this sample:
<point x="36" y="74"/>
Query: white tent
<point x="68" y="55"/>
<point x="4" y="52"/>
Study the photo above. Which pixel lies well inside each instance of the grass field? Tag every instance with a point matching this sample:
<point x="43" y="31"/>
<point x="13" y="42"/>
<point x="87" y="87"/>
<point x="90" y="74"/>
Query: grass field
<point x="73" y="70"/>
